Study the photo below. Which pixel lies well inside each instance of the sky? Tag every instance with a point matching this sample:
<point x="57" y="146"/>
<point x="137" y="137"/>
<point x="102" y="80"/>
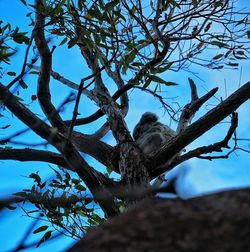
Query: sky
<point x="194" y="177"/>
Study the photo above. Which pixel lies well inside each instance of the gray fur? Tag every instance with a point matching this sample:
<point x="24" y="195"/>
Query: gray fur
<point x="150" y="134"/>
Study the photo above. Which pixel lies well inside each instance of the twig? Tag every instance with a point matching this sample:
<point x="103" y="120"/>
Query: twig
<point x="24" y="65"/>
<point x="191" y="108"/>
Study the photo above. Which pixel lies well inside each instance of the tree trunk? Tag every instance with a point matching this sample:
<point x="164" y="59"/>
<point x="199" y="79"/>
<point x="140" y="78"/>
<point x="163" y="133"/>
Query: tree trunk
<point x="218" y="222"/>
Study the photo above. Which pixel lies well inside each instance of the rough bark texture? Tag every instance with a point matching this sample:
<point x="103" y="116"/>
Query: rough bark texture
<point x="218" y="222"/>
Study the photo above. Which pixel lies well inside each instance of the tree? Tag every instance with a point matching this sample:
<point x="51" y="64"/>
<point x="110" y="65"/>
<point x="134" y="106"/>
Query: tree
<point x="131" y="44"/>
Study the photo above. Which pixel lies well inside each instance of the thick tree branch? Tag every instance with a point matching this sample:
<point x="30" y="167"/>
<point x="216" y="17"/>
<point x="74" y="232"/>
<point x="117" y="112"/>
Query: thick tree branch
<point x="215" y="222"/>
<point x="43" y="92"/>
<point x="201" y="126"/>
<point x="64" y="81"/>
<point x="68" y="150"/>
<point x="191" y="108"/>
<point x="216" y="147"/>
<point x="28" y="154"/>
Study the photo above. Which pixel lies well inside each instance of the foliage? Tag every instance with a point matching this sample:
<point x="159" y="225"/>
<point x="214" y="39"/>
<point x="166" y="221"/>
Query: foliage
<point x="63" y="202"/>
<point x="133" y="44"/>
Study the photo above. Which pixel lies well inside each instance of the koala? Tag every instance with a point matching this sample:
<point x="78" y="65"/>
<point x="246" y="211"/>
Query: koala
<point x="150" y="134"/>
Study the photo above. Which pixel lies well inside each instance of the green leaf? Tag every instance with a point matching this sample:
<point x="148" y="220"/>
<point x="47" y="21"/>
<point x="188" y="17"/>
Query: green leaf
<point x="109" y="170"/>
<point x="33" y="72"/>
<point x="58" y="8"/>
<point x="10" y="207"/>
<point x="24" y="2"/>
<point x="137" y="64"/>
<point x="97" y="219"/>
<point x="23" y="84"/>
<point x="112" y="4"/>
<point x="75" y="181"/>
<point x="162" y="69"/>
<point x="80" y="187"/>
<point x="160" y="80"/>
<point x="63" y="41"/>
<point x="6" y="126"/>
<point x="36" y="177"/>
<point x="118" y="14"/>
<point x="218" y="4"/>
<point x="130" y="57"/>
<point x="174" y="3"/>
<point x="72" y="42"/>
<point x="146" y="84"/>
<point x="44" y="238"/>
<point x="240" y="52"/>
<point x="95" y="13"/>
<point x="11" y="73"/>
<point x="219" y="44"/>
<point x="248" y="34"/>
<point x="20" y="194"/>
<point x="40" y="229"/>
<point x="232" y="64"/>
<point x="58" y="175"/>
<point x="21" y="38"/>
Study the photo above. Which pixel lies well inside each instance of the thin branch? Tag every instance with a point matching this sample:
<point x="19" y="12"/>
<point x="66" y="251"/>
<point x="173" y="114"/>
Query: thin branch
<point x="191" y="108"/>
<point x="68" y="150"/>
<point x="24" y="65"/>
<point x="75" y="111"/>
<point x="28" y="154"/>
<point x="64" y="81"/>
<point x="43" y="92"/>
<point x="199" y="127"/>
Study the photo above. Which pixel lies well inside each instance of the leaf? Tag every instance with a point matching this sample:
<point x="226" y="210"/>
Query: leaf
<point x="6" y="126"/>
<point x="80" y="187"/>
<point x="36" y="177"/>
<point x="137" y="64"/>
<point x="24" y="2"/>
<point x="44" y="238"/>
<point x="21" y="38"/>
<point x="146" y="84"/>
<point x="75" y="181"/>
<point x="95" y="13"/>
<point x="11" y="73"/>
<point x="109" y="170"/>
<point x="20" y="194"/>
<point x="200" y="45"/>
<point x="118" y="14"/>
<point x="40" y="229"/>
<point x="232" y="64"/>
<point x="240" y="52"/>
<point x="33" y="97"/>
<point x="23" y="84"/>
<point x="58" y="175"/>
<point x="160" y="80"/>
<point x="208" y="26"/>
<point x="112" y="4"/>
<point x="174" y="3"/>
<point x="10" y="207"/>
<point x="163" y="69"/>
<point x="219" y="44"/>
<point x="218" y="4"/>
<point x="63" y="41"/>
<point x="33" y="72"/>
<point x="218" y="56"/>
<point x="129" y="58"/>
<point x="72" y="42"/>
<point x="248" y="34"/>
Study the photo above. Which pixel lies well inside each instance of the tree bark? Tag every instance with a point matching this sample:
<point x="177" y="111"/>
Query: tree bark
<point x="218" y="222"/>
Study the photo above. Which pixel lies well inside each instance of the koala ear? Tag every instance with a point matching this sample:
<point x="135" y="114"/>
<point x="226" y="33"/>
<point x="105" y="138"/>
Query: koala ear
<point x="148" y="117"/>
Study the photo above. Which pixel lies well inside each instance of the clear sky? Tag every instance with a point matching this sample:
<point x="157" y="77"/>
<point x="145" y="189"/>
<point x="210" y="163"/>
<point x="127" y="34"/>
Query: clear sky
<point x="195" y="176"/>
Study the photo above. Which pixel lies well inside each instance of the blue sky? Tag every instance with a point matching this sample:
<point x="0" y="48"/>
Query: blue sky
<point x="196" y="176"/>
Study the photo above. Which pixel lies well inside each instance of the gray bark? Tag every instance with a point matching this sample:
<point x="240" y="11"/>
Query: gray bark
<point x="218" y="222"/>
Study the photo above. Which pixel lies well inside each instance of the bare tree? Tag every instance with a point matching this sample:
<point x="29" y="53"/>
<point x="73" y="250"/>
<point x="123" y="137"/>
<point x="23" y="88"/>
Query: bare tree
<point x="130" y="43"/>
